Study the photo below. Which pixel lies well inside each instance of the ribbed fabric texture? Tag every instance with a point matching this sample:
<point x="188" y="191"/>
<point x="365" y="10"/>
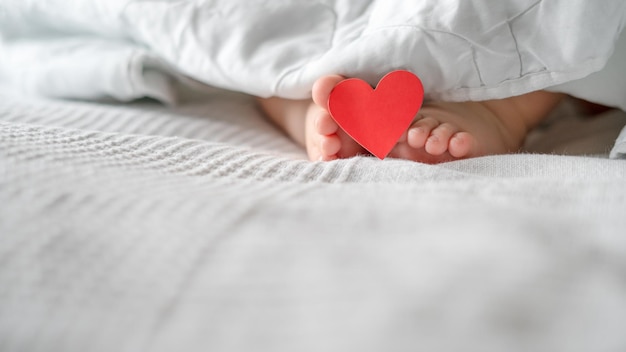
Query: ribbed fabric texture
<point x="202" y="228"/>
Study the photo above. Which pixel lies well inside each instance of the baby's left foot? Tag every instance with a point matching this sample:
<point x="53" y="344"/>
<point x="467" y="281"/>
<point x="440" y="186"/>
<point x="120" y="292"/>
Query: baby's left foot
<point x="450" y="131"/>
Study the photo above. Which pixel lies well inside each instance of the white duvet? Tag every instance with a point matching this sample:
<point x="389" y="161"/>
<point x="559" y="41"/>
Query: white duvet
<point x="462" y="50"/>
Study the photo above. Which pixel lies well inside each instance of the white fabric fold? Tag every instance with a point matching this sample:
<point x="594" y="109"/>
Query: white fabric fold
<point x="461" y="50"/>
<point x="84" y="68"/>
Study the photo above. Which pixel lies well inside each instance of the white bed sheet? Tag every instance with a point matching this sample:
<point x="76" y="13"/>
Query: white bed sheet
<point x="201" y="228"/>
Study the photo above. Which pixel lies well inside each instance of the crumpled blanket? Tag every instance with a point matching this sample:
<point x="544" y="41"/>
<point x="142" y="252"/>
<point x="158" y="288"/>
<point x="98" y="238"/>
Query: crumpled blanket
<point x="125" y="49"/>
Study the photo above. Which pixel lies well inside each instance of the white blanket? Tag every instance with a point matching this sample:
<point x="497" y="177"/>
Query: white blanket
<point x="142" y="228"/>
<point x="461" y="49"/>
<point x="139" y="227"/>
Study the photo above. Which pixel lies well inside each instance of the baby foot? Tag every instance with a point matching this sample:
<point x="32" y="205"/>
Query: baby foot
<point x="451" y="131"/>
<point x="433" y="137"/>
<point x="429" y="140"/>
<point x="440" y="132"/>
<point x="325" y="140"/>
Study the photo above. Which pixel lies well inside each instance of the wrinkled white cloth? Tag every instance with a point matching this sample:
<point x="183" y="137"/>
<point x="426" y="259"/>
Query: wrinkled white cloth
<point x="143" y="228"/>
<point x="462" y="50"/>
<point x="138" y="227"/>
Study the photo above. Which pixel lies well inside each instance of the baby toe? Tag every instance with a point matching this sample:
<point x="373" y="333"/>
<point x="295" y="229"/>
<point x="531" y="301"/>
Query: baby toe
<point x="324" y="124"/>
<point x="439" y="139"/>
<point x="329" y="146"/>
<point x="462" y="145"/>
<point x="420" y="131"/>
<point x="322" y="88"/>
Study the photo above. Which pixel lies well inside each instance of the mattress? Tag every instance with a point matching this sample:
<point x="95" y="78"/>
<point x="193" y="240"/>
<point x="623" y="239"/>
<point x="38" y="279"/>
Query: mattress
<point x="201" y="227"/>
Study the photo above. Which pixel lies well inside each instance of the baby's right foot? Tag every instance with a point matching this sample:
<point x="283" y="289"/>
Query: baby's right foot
<point x="325" y="140"/>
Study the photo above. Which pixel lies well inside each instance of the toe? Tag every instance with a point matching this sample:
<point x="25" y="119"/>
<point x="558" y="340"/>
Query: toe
<point x="322" y="87"/>
<point x="324" y="123"/>
<point x="329" y="146"/>
<point x="462" y="145"/>
<point x="420" y="131"/>
<point x="439" y="139"/>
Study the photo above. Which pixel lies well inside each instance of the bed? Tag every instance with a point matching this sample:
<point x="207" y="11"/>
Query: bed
<point x="158" y="224"/>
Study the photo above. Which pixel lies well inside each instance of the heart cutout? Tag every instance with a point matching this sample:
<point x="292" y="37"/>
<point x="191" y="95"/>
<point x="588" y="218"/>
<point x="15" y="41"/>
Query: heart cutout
<point x="376" y="118"/>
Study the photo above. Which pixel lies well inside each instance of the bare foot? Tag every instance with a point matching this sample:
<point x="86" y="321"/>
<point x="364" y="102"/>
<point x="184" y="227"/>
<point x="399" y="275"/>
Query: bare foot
<point x="440" y="132"/>
<point x="450" y="131"/>
<point x="325" y="140"/>
<point x="309" y="123"/>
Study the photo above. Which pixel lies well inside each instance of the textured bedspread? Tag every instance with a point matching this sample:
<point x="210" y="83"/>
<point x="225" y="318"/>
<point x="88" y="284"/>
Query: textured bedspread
<point x="144" y="228"/>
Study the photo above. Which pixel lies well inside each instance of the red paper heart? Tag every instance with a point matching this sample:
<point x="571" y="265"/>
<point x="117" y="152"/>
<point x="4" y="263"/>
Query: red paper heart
<point x="376" y="118"/>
